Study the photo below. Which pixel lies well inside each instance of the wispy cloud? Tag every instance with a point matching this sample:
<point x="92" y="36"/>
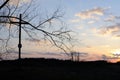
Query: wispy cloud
<point x="112" y="18"/>
<point x="92" y="13"/>
<point x="75" y="20"/>
<point x="91" y="22"/>
<point x="114" y="29"/>
<point x="15" y="2"/>
<point x="110" y="58"/>
<point x="32" y="40"/>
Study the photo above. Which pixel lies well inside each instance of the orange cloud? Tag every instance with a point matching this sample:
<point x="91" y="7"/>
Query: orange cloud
<point x="92" y="13"/>
<point x="15" y="2"/>
<point x="114" y="29"/>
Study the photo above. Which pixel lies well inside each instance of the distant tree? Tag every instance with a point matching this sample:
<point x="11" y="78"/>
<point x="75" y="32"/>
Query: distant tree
<point x="104" y="57"/>
<point x="36" y="23"/>
<point x="76" y="56"/>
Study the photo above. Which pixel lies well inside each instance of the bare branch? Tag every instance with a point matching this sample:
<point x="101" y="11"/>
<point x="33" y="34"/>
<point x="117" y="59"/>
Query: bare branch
<point x="4" y="4"/>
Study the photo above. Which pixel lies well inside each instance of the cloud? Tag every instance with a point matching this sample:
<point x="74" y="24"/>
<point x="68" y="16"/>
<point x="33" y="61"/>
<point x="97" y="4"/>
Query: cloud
<point x="112" y="18"/>
<point x="75" y="20"/>
<point x="110" y="58"/>
<point x="91" y="22"/>
<point x="83" y="34"/>
<point x="15" y="2"/>
<point x="114" y="29"/>
<point x="117" y="35"/>
<point x="32" y="40"/>
<point x="36" y="54"/>
<point x="92" y="13"/>
<point x="26" y="0"/>
<point x="79" y="27"/>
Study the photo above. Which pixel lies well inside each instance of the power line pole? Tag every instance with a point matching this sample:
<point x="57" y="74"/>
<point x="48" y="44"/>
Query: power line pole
<point x="20" y="22"/>
<point x="20" y="45"/>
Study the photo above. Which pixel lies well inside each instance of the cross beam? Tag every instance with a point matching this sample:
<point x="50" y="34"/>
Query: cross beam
<point x="20" y="22"/>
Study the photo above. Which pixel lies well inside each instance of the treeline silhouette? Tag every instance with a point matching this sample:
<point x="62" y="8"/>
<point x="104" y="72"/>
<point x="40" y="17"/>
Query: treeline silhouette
<point x="53" y="69"/>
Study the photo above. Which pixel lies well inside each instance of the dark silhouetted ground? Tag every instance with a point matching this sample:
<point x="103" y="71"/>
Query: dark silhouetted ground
<point x="51" y="69"/>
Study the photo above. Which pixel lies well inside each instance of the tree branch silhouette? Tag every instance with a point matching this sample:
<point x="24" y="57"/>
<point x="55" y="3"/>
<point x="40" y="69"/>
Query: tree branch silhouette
<point x="4" y="4"/>
<point x="57" y="37"/>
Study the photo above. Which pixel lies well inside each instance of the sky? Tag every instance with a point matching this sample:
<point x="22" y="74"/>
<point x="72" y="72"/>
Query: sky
<point x="95" y="24"/>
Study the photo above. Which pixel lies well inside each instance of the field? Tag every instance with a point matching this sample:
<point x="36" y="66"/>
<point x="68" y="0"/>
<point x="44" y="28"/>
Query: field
<point x="52" y="69"/>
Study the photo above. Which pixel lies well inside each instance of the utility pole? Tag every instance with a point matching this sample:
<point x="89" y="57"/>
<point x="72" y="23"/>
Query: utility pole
<point x="20" y="22"/>
<point x="78" y="56"/>
<point x="20" y="45"/>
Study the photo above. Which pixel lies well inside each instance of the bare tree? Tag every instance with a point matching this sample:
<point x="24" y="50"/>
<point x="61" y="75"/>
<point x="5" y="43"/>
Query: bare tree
<point x="9" y="14"/>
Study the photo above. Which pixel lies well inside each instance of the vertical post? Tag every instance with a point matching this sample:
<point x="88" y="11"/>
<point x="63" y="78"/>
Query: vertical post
<point x="78" y="57"/>
<point x="20" y="45"/>
<point x="72" y="58"/>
